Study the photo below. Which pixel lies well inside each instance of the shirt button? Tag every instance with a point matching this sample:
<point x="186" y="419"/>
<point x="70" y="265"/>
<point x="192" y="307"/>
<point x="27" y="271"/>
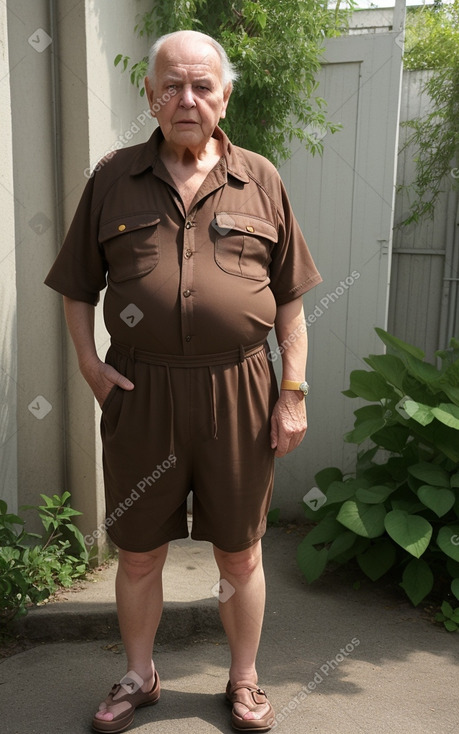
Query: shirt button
<point x="188" y="225"/>
<point x="187" y="293"/>
<point x="188" y="338"/>
<point x="188" y="253"/>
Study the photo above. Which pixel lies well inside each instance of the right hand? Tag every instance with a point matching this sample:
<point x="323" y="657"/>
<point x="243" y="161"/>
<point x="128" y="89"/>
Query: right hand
<point x="101" y="377"/>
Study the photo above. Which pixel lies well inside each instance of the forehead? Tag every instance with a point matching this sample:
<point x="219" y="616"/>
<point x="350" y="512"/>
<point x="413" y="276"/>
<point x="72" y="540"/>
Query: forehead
<point x="185" y="57"/>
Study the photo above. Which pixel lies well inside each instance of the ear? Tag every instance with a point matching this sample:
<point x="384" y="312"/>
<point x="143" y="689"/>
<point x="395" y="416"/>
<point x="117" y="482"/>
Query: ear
<point x="149" y="91"/>
<point x="226" y="95"/>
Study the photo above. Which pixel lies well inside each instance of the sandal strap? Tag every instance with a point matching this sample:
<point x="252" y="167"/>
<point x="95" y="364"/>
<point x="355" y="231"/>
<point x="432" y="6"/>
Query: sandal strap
<point x="257" y="694"/>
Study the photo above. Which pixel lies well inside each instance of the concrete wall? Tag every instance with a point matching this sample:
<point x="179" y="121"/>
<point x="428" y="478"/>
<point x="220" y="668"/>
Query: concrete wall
<point x="63" y="105"/>
<point x="8" y="305"/>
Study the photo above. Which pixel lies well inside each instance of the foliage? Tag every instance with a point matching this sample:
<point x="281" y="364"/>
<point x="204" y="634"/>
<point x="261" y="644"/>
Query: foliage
<point x="432" y="42"/>
<point x="399" y="512"/>
<point x="32" y="566"/>
<point x="276" y="48"/>
<point x="449" y="617"/>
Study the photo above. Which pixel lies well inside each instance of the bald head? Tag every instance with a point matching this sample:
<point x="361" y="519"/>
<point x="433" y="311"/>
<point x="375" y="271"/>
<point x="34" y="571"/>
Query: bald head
<point x="171" y="42"/>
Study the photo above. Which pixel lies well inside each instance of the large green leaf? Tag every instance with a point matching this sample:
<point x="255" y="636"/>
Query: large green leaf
<point x="324" y="478"/>
<point x="416" y="390"/>
<point x="341" y="544"/>
<point x="311" y="561"/>
<point x="455" y="587"/>
<point x="397" y="346"/>
<point x="418" y="412"/>
<point x="448" y="541"/>
<point x="378" y="559"/>
<point x="423" y="371"/>
<point x="369" y="385"/>
<point x="430" y="474"/>
<point x="417" y="580"/>
<point x="365" y="520"/>
<point x="373" y="495"/>
<point x="325" y="531"/>
<point x="364" y="430"/>
<point x="369" y="412"/>
<point x="389" y="367"/>
<point x="341" y="491"/>
<point x="448" y="414"/>
<point x="437" y="499"/>
<point x="451" y="392"/>
<point x="411" y="532"/>
<point x="392" y="438"/>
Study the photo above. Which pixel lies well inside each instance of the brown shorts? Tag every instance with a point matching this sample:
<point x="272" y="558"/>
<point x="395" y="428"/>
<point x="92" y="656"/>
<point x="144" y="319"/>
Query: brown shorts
<point x="192" y="424"/>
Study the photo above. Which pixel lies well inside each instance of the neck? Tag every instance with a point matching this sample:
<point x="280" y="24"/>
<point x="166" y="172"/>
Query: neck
<point x="186" y="156"/>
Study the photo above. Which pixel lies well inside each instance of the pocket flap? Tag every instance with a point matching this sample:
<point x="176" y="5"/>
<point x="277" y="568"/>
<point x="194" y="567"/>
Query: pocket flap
<point x="126" y="224"/>
<point x="225" y="222"/>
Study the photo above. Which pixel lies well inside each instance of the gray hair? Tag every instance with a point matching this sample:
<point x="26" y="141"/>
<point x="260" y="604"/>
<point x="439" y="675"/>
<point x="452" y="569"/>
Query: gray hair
<point x="229" y="73"/>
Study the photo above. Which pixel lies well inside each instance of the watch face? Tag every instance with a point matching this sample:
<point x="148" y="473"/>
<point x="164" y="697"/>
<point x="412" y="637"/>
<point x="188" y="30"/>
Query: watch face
<point x="304" y="387"/>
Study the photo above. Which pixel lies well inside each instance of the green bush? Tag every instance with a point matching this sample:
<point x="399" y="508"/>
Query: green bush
<point x="33" y="566"/>
<point x="399" y="511"/>
<point x="277" y="49"/>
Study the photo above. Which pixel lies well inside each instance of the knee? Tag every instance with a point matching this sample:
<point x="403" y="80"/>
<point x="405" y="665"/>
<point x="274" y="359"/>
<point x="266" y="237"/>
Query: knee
<point x="139" y="565"/>
<point x="241" y="565"/>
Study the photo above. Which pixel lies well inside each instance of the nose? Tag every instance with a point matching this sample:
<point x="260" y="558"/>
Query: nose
<point x="187" y="99"/>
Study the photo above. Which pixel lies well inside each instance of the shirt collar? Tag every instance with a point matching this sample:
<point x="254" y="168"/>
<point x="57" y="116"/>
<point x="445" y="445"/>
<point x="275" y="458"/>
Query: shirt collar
<point x="148" y="155"/>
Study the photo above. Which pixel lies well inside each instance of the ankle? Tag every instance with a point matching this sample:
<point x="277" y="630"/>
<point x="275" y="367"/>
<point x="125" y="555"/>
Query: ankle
<point x="247" y="674"/>
<point x="146" y="675"/>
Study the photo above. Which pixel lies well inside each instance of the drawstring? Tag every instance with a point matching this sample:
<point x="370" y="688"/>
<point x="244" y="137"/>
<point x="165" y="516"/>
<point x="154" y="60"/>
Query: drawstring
<point x="171" y="402"/>
<point x="214" y="403"/>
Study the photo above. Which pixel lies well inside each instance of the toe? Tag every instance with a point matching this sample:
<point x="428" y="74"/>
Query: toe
<point x="104" y="715"/>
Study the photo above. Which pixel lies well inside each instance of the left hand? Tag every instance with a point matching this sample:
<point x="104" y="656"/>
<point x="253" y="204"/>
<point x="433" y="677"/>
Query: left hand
<point x="288" y="422"/>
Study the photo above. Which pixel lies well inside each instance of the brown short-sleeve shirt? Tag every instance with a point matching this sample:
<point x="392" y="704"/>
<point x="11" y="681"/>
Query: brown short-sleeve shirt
<point x="196" y="282"/>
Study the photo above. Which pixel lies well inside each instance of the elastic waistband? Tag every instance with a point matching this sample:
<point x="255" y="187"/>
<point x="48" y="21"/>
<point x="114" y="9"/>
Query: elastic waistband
<point x="195" y="360"/>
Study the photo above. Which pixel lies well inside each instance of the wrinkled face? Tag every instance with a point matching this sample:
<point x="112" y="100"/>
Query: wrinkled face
<point x="187" y="96"/>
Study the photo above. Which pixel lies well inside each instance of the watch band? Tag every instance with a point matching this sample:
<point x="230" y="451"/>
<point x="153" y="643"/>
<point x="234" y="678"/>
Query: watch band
<point x="298" y="386"/>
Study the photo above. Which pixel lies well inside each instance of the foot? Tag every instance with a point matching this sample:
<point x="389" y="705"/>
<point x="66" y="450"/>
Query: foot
<point x="250" y="705"/>
<point x="119" y="706"/>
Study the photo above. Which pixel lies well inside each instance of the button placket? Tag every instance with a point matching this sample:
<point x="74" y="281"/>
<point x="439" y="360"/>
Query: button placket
<point x="186" y="284"/>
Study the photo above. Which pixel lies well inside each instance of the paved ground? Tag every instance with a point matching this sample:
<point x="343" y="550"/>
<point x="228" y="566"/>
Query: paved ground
<point x="333" y="659"/>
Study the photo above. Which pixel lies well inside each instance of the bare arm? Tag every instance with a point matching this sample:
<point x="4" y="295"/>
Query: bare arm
<point x="100" y="376"/>
<point x="288" y="421"/>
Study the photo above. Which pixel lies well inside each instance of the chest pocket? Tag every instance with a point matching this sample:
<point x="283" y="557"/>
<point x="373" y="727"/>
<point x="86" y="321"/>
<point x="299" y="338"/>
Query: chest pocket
<point x="131" y="245"/>
<point x="243" y="245"/>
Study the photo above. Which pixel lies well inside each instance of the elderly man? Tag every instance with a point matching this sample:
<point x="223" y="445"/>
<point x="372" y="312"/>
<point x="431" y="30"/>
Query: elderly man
<point x="203" y="256"/>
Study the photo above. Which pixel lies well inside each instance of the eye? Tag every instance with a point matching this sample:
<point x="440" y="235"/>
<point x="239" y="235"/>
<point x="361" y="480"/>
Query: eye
<point x="172" y="87"/>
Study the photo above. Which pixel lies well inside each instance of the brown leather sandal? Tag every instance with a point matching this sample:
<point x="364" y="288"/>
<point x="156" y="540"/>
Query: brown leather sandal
<point x="135" y="697"/>
<point x="251" y="696"/>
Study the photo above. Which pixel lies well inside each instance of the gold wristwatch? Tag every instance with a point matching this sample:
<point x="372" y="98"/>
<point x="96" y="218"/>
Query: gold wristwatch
<point x="298" y="386"/>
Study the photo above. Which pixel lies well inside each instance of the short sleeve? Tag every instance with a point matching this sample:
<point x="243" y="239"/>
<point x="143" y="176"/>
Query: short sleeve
<point x="292" y="269"/>
<point x="80" y="269"/>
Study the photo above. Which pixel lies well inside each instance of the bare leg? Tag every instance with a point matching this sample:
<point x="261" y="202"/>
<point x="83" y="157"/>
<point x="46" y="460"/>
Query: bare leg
<point x="139" y="598"/>
<point x="242" y="614"/>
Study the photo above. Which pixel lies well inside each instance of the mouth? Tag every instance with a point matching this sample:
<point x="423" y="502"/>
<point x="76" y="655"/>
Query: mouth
<point x="186" y="122"/>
